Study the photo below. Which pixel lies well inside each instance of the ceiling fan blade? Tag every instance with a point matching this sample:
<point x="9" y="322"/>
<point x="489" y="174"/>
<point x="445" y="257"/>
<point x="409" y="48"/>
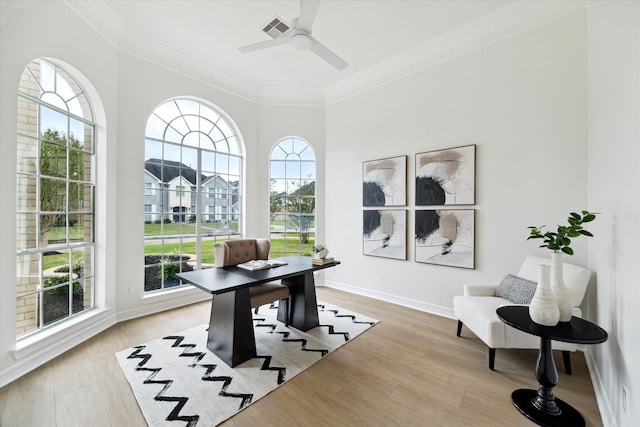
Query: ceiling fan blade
<point x="325" y="53"/>
<point x="308" y="10"/>
<point x="264" y="45"/>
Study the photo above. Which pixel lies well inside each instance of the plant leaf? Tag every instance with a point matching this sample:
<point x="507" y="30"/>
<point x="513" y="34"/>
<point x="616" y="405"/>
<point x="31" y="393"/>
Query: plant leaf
<point x="567" y="250"/>
<point x="585" y="233"/>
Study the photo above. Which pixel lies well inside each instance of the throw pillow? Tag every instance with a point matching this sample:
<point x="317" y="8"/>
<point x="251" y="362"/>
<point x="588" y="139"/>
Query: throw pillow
<point x="516" y="289"/>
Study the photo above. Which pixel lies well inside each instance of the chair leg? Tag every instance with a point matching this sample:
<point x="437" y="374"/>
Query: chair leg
<point x="566" y="357"/>
<point x="492" y="358"/>
<point x="459" y="327"/>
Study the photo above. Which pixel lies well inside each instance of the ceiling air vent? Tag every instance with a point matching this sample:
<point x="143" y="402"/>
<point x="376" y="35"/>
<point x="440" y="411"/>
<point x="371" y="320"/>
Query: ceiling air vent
<point x="276" y="28"/>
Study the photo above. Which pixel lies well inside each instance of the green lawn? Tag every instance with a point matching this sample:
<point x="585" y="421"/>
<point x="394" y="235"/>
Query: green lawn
<point x="55" y="260"/>
<point x="59" y="234"/>
<point x="278" y="246"/>
<point x="174" y="228"/>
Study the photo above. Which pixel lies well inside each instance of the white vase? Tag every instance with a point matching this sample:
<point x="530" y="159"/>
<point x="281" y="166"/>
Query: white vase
<point x="560" y="291"/>
<point x="543" y="308"/>
<point x="322" y="254"/>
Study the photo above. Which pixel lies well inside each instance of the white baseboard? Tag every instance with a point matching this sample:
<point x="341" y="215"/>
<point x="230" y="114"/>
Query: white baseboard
<point x="402" y="301"/>
<point x="604" y="405"/>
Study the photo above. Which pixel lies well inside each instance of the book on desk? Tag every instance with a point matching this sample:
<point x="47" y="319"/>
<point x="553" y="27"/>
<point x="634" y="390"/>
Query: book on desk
<point x="261" y="264"/>
<point x="321" y="261"/>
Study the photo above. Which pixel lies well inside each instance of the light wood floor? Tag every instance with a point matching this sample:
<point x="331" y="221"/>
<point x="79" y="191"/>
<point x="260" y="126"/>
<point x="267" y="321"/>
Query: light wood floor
<point x="408" y="370"/>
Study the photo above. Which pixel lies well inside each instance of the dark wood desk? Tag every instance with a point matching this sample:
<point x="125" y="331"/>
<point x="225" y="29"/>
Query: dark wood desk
<point x="231" y="335"/>
<point x="541" y="406"/>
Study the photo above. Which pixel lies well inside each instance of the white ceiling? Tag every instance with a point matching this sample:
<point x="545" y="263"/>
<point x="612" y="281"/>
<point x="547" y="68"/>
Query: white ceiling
<point x="203" y="36"/>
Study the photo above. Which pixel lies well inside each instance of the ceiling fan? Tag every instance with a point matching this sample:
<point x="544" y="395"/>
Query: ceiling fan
<point x="300" y="38"/>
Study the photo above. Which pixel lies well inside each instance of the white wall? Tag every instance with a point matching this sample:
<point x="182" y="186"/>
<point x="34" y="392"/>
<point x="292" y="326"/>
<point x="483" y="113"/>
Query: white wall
<point x="522" y="101"/>
<point x="614" y="190"/>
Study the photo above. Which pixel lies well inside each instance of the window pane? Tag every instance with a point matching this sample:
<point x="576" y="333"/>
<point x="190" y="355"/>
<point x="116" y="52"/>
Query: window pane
<point x="81" y="135"/>
<point x="307" y="154"/>
<point x="155" y="127"/>
<point x="235" y="165"/>
<point x="53" y="229"/>
<point x="216" y="135"/>
<point x="53" y="197"/>
<point x="53" y="160"/>
<point x="171" y="134"/>
<point x="52" y="123"/>
<point x="80" y="166"/>
<point x="292" y="169"/>
<point x="80" y="197"/>
<point x="81" y="228"/>
<point x="167" y="111"/>
<point x="222" y="163"/>
<point x="234" y="146"/>
<point x="278" y="169"/>
<point x="208" y="162"/>
<point x="308" y="170"/>
<point x="180" y="125"/>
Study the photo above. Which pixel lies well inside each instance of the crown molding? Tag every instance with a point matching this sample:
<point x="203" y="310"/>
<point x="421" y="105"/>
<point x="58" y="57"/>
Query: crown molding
<point x="100" y="17"/>
<point x="504" y="22"/>
<point x="287" y="96"/>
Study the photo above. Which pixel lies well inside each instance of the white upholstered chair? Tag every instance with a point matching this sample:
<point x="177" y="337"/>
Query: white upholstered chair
<point x="234" y="252"/>
<point x="476" y="309"/>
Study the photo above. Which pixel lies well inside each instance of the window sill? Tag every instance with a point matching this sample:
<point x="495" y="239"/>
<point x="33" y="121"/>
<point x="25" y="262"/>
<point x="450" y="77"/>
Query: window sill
<point x="171" y="294"/>
<point x="60" y="334"/>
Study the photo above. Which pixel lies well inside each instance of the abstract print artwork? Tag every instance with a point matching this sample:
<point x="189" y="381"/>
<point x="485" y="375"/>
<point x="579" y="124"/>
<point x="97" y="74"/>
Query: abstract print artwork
<point x="384" y="182"/>
<point x="384" y="233"/>
<point x="446" y="177"/>
<point x="445" y="237"/>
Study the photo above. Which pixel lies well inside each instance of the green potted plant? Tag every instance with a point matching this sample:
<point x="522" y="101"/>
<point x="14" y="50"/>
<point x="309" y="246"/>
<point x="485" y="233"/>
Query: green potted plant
<point x="320" y="251"/>
<point x="559" y="243"/>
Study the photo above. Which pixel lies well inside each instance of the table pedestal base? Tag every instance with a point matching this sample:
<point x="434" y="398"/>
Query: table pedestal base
<point x="523" y="400"/>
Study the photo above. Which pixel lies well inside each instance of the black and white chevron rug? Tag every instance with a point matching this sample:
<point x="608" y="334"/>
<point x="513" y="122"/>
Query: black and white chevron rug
<point x="179" y="382"/>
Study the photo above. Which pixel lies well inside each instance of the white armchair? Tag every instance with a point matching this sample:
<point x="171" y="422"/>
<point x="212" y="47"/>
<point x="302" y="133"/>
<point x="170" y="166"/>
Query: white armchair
<point x="476" y="309"/>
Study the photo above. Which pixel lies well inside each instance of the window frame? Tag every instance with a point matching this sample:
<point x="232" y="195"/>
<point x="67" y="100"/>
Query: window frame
<point x="290" y="154"/>
<point x="199" y="144"/>
<point x="49" y="94"/>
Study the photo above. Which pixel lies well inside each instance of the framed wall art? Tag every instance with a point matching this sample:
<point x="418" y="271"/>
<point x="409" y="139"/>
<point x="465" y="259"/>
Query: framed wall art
<point x="446" y="177"/>
<point x="384" y="233"/>
<point x="384" y="182"/>
<point x="445" y="237"/>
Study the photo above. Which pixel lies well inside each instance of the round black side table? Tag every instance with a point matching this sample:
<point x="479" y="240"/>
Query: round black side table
<point x="541" y="406"/>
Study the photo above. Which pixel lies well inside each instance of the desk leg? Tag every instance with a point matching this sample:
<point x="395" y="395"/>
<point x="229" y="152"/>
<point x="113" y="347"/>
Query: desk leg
<point x="304" y="305"/>
<point x="541" y="406"/>
<point x="231" y="335"/>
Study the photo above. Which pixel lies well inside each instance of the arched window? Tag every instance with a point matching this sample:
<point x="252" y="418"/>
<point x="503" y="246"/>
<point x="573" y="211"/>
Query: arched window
<point x="55" y="198"/>
<point x="292" y="198"/>
<point x="192" y="189"/>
